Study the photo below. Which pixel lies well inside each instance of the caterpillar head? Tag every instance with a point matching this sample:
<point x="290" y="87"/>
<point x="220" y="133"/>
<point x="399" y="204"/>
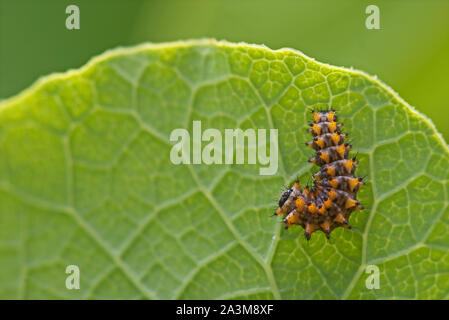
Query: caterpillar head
<point x="284" y="197"/>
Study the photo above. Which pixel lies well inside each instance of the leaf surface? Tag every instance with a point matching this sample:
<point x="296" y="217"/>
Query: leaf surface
<point x="86" y="179"/>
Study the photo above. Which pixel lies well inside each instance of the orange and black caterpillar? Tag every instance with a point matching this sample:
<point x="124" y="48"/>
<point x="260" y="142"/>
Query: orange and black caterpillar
<point x="329" y="203"/>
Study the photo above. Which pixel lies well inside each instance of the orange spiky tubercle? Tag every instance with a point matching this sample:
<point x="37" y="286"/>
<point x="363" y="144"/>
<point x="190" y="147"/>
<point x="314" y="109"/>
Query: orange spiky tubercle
<point x="333" y="197"/>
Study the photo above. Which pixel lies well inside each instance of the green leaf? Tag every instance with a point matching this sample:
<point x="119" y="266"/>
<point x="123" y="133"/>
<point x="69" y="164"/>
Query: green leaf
<point x="86" y="180"/>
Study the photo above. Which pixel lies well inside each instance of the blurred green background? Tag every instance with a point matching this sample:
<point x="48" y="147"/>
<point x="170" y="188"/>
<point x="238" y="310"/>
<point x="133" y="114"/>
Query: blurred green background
<point x="410" y="52"/>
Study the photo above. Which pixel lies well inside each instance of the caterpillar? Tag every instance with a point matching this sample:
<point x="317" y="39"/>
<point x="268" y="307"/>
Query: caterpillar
<point x="333" y="197"/>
